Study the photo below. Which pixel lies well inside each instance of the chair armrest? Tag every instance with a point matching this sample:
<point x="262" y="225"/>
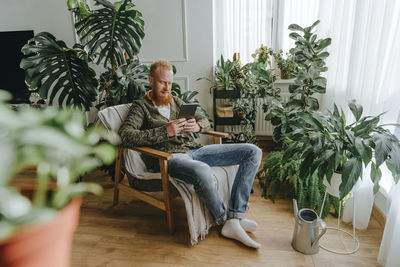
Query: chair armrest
<point x="217" y="134"/>
<point x="153" y="152"/>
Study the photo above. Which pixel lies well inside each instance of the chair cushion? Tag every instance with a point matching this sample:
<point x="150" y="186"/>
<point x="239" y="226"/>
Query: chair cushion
<point x="112" y="117"/>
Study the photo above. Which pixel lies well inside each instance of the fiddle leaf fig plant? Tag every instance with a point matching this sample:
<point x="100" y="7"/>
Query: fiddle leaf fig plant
<point x="309" y="58"/>
<point x="333" y="145"/>
<point x="56" y="143"/>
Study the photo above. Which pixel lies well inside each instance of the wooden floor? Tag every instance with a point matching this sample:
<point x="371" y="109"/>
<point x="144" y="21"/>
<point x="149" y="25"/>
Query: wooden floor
<point x="134" y="233"/>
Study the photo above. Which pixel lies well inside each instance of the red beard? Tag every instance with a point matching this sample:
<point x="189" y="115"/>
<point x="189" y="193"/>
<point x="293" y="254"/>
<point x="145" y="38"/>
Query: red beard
<point x="160" y="99"/>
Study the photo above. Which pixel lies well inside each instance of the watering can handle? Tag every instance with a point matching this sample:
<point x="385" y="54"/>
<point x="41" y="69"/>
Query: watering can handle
<point x="323" y="230"/>
<point x="295" y="209"/>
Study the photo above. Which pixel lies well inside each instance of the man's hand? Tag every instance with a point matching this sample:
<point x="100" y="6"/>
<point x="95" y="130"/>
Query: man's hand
<point x="176" y="126"/>
<point x="191" y="126"/>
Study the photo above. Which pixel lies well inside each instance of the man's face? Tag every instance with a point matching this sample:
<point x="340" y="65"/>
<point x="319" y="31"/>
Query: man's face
<point x="161" y="84"/>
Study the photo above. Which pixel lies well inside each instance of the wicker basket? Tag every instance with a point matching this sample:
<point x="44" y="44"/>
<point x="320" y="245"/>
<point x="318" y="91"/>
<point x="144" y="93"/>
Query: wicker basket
<point x="225" y="110"/>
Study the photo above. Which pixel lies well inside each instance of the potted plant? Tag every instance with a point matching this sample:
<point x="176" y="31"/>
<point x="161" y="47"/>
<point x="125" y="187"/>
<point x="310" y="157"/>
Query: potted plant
<point x="38" y="231"/>
<point x="110" y="35"/>
<point x="332" y="145"/>
<point x="287" y="66"/>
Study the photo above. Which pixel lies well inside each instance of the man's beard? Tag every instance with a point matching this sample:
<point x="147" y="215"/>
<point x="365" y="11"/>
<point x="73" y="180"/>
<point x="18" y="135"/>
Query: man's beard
<point x="160" y="99"/>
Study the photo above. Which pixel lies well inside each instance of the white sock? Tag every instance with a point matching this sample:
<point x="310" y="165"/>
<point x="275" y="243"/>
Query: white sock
<point x="232" y="229"/>
<point x="248" y="225"/>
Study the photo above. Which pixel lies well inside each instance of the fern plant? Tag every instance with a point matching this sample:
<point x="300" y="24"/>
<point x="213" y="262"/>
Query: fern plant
<point x="281" y="175"/>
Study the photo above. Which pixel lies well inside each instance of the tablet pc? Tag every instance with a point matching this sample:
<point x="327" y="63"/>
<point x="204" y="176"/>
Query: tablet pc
<point x="187" y="111"/>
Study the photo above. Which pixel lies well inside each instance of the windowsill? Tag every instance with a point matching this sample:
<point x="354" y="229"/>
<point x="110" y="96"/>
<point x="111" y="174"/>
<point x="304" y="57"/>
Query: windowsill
<point x="286" y="81"/>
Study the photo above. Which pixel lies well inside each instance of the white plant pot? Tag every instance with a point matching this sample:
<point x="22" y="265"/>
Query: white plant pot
<point x="333" y="187"/>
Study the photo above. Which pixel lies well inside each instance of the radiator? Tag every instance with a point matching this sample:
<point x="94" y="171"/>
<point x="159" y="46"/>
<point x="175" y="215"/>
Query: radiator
<point x="263" y="127"/>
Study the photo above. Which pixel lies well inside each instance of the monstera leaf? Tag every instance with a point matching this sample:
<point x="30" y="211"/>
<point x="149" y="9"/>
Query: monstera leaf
<point x="112" y="31"/>
<point x="57" y="71"/>
<point x="127" y="83"/>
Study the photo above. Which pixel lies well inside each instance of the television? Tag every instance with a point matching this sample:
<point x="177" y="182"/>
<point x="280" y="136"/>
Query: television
<point x="12" y="77"/>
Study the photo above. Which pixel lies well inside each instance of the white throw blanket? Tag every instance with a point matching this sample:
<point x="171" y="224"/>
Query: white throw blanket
<point x="198" y="216"/>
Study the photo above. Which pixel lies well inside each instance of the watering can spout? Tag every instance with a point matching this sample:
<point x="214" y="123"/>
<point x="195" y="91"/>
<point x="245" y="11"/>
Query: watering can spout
<point x="295" y="209"/>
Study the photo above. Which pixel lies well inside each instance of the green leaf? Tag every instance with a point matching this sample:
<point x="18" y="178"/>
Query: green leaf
<point x="395" y="158"/>
<point x="383" y="146"/>
<point x="54" y="68"/>
<point x="111" y="31"/>
<point x="295" y="36"/>
<point x="324" y="43"/>
<point x="314" y="24"/>
<point x="356" y="109"/>
<point x="364" y="150"/>
<point x="295" y="27"/>
<point x="352" y="171"/>
<point x="320" y="81"/>
<point x="376" y="176"/>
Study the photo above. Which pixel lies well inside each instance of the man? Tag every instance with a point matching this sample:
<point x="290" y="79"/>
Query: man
<point x="152" y="121"/>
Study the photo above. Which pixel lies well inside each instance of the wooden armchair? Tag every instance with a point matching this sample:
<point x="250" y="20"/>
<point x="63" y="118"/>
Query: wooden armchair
<point x="112" y="118"/>
<point x="163" y="158"/>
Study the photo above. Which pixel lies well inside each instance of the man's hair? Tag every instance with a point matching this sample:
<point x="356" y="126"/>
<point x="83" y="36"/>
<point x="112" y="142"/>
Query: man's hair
<point x="160" y="64"/>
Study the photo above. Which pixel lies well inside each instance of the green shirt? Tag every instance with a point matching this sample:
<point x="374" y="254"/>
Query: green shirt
<point x="145" y="126"/>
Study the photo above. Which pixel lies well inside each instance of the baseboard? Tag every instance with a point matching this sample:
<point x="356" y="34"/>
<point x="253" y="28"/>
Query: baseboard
<point x="379" y="216"/>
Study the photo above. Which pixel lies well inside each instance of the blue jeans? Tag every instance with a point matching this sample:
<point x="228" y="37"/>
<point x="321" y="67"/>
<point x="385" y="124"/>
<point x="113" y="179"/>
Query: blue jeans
<point x="193" y="167"/>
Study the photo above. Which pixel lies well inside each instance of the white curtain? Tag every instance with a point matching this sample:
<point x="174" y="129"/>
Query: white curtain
<point x="301" y="12"/>
<point x="241" y="27"/>
<point x="389" y="255"/>
<point x="364" y="64"/>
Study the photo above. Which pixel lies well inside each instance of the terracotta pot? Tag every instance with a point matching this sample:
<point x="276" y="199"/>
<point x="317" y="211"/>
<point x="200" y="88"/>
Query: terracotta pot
<point x="44" y="245"/>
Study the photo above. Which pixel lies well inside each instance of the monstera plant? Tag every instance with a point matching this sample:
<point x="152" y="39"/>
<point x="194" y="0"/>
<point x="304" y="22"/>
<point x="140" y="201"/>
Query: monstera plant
<point x="112" y="31"/>
<point x="53" y="68"/>
<point x="110" y="35"/>
<point x="126" y="83"/>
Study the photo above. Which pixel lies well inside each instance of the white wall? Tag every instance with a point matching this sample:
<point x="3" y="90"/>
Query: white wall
<point x="37" y="15"/>
<point x="180" y="31"/>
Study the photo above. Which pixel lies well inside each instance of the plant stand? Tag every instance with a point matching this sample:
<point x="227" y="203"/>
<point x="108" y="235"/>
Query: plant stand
<point x="333" y="189"/>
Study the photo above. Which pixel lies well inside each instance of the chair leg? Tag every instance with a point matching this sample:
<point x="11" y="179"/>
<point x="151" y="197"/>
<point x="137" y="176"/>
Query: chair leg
<point x="167" y="195"/>
<point x="117" y="174"/>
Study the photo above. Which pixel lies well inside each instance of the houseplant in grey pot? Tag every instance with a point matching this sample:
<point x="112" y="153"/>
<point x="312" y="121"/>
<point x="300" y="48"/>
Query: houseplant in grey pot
<point x="38" y="231"/>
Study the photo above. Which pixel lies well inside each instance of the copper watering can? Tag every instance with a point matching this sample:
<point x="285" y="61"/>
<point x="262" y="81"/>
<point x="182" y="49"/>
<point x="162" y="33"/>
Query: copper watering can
<point x="306" y="231"/>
